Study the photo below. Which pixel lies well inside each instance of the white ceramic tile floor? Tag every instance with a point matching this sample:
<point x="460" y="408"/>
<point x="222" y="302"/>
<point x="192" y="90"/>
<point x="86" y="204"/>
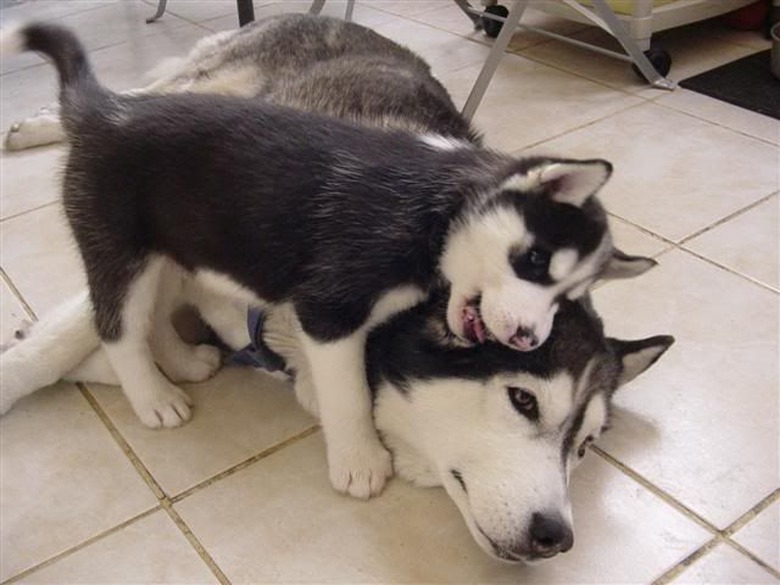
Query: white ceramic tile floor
<point x="87" y="495"/>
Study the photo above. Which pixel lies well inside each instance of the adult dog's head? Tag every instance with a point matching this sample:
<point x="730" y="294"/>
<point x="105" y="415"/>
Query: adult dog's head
<point x="517" y="251"/>
<point x="499" y="429"/>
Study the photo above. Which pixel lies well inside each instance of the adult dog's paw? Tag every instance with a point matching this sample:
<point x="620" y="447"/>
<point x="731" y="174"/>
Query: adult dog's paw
<point x="360" y="470"/>
<point x="42" y="128"/>
<point x="191" y="363"/>
<point x="166" y="407"/>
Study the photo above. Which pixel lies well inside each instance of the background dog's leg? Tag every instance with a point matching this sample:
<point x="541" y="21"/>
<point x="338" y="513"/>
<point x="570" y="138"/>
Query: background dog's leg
<point x="95" y="368"/>
<point x="226" y="315"/>
<point x="41" y="128"/>
<point x="180" y="361"/>
<point x="156" y="401"/>
<point x="53" y="346"/>
<point x="358" y="463"/>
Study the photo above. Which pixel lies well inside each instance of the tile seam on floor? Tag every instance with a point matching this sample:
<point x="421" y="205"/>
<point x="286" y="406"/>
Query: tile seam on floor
<point x="752" y="513"/>
<point x="672" y="245"/>
<point x="18" y="294"/>
<point x="657" y="491"/>
<point x="119" y="439"/>
<point x="600" y="82"/>
<point x="727" y="218"/>
<point x="719" y="536"/>
<point x="752" y="556"/>
<point x="26" y="211"/>
<point x="731" y="271"/>
<point x="519" y="151"/>
<point x="80" y="546"/>
<point x="680" y="567"/>
<point x="162" y="498"/>
<point x="195" y="543"/>
<point x="718" y="124"/>
<point x="245" y="463"/>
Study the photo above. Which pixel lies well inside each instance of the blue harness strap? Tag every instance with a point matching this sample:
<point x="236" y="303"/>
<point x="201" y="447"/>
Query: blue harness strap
<point x="257" y="354"/>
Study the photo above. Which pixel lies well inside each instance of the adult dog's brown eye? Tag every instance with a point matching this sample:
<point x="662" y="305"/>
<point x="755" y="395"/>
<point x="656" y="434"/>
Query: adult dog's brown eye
<point x="524" y="402"/>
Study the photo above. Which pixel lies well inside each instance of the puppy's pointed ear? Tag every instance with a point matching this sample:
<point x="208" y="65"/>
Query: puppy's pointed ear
<point x="638" y="355"/>
<point x="621" y="265"/>
<point x="574" y="182"/>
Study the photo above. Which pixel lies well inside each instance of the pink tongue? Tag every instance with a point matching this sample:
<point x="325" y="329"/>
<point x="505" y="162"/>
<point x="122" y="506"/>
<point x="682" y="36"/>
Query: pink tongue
<point x="474" y="323"/>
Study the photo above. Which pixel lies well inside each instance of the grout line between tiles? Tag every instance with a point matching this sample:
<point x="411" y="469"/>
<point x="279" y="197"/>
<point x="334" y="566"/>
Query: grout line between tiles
<point x="195" y="543"/>
<point x="675" y="571"/>
<point x="164" y="501"/>
<point x="576" y="129"/>
<point x="681" y="244"/>
<point x="26" y="211"/>
<point x="719" y="536"/>
<point x="657" y="491"/>
<point x="246" y="463"/>
<point x="740" y="522"/>
<point x="727" y="218"/>
<point x="718" y="124"/>
<point x="730" y="270"/>
<point x="123" y="444"/>
<point x="17" y="293"/>
<point x="753" y="557"/>
<point x="82" y="545"/>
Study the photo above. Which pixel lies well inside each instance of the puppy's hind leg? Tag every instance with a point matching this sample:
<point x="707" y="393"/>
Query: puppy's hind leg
<point x="156" y="401"/>
<point x="180" y="361"/>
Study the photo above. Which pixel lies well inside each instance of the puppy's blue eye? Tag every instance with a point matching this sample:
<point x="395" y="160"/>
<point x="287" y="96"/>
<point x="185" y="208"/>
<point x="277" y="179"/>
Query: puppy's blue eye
<point x="524" y="402"/>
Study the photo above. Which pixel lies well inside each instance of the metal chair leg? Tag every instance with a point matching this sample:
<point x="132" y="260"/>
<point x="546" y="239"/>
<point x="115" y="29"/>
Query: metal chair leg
<point x="317" y="5"/>
<point x="160" y="11"/>
<point x="491" y="63"/>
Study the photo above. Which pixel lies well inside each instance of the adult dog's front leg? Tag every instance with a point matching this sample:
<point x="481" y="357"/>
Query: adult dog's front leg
<point x="357" y="461"/>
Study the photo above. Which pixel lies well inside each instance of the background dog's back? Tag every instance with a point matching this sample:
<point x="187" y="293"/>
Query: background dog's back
<point x="310" y="63"/>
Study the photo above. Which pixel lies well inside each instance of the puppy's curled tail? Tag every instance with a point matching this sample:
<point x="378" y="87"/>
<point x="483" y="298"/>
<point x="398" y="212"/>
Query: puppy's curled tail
<point x="78" y="84"/>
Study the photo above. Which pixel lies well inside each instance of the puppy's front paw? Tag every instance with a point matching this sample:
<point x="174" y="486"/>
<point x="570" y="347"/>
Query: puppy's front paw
<point x="360" y="470"/>
<point x="166" y="407"/>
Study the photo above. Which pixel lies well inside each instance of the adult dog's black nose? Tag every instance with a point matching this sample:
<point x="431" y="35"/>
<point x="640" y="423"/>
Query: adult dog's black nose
<point x="549" y="535"/>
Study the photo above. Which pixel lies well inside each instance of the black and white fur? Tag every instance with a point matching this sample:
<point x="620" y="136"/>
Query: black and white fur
<point x="501" y="430"/>
<point x="348" y="225"/>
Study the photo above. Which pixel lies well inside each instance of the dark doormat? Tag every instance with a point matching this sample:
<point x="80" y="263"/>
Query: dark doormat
<point x="747" y="83"/>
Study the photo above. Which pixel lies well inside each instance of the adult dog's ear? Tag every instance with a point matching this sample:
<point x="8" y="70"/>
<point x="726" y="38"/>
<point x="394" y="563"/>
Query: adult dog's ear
<point x="621" y="265"/>
<point x="574" y="182"/>
<point x="638" y="355"/>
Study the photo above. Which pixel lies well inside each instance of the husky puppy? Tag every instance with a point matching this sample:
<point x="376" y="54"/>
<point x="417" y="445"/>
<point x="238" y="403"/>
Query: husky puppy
<point x="446" y="411"/>
<point x="348" y="225"/>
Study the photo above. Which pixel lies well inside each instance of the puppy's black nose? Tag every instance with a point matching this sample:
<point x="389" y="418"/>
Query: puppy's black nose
<point x="549" y="535"/>
<point x="524" y="339"/>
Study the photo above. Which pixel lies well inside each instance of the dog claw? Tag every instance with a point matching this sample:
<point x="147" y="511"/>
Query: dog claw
<point x="361" y="473"/>
<point x="165" y="408"/>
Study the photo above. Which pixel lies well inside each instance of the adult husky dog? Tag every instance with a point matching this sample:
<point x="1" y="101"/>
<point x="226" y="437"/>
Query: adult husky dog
<point x="310" y="63"/>
<point x="347" y="225"/>
<point x="501" y="430"/>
